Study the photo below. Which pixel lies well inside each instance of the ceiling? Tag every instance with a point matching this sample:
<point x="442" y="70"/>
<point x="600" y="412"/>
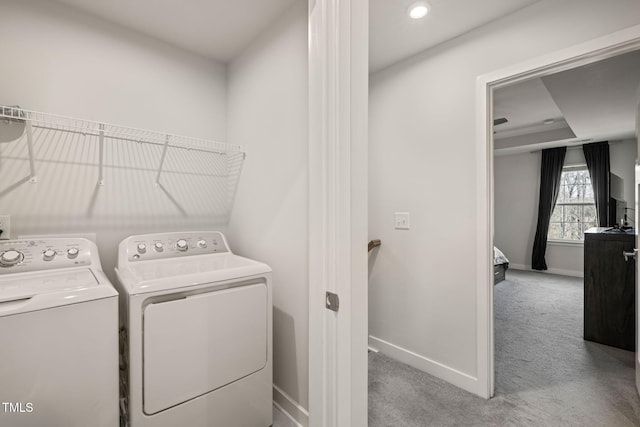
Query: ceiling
<point x="217" y="29"/>
<point x="594" y="102"/>
<point x="394" y="36"/>
<point x="221" y="29"/>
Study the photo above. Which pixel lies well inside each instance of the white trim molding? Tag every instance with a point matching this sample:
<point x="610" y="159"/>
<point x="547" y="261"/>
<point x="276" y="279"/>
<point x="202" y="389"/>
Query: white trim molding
<point x="288" y="406"/>
<point x="569" y="243"/>
<point x="447" y="373"/>
<point x="560" y="271"/>
<point x="338" y="114"/>
<point x="617" y="43"/>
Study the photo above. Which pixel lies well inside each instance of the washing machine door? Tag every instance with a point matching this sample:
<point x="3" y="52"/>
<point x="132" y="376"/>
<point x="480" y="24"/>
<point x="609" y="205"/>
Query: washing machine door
<point x="197" y="344"/>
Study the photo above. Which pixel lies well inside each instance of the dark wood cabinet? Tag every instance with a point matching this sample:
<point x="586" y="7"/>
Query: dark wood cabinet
<point x="609" y="288"/>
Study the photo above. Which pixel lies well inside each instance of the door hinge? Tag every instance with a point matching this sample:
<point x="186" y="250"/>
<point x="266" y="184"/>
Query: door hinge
<point x="332" y="301"/>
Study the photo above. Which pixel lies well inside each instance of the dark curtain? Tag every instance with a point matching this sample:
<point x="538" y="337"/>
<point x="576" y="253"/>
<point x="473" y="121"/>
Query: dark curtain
<point x="550" y="174"/>
<point x="597" y="157"/>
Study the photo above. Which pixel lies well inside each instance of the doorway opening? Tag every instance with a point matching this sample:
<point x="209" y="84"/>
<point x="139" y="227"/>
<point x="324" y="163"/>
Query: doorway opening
<point x="616" y="45"/>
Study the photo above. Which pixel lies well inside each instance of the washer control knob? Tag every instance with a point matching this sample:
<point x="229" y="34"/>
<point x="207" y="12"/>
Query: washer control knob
<point x="10" y="258"/>
<point x="72" y="253"/>
<point x="142" y="248"/>
<point x="158" y="246"/>
<point x="48" y="255"/>
<point x="182" y="245"/>
<point x="202" y="243"/>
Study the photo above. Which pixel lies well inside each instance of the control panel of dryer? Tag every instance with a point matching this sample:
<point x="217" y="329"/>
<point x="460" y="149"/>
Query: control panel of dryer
<point x="39" y="254"/>
<point x="173" y="245"/>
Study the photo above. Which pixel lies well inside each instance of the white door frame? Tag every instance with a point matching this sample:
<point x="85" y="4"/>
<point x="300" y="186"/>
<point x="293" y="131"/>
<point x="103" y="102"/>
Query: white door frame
<point x="338" y="114"/>
<point x="601" y="48"/>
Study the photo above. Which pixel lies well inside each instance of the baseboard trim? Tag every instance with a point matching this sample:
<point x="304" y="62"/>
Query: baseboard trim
<point x="292" y="409"/>
<point x="559" y="271"/>
<point x="446" y="373"/>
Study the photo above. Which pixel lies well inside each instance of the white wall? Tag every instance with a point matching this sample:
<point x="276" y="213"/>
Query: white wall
<point x="268" y="113"/>
<point x="422" y="160"/>
<point x="516" y="192"/>
<point x="517" y="186"/>
<point x="57" y="60"/>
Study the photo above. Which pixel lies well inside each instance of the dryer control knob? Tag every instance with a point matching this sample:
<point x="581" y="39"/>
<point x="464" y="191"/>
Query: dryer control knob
<point x="11" y="258"/>
<point x="48" y="255"/>
<point x="142" y="248"/>
<point x="182" y="245"/>
<point x="158" y="246"/>
<point x="202" y="244"/>
<point x="72" y="253"/>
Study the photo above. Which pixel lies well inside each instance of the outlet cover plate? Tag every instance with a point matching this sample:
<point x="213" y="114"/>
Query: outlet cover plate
<point x="402" y="221"/>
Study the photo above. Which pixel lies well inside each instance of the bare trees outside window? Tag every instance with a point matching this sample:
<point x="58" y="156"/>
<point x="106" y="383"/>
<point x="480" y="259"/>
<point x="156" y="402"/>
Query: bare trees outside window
<point x="575" y="209"/>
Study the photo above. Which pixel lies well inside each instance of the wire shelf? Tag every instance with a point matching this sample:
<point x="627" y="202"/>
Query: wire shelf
<point x="105" y="132"/>
<point x="89" y="127"/>
<point x="109" y="169"/>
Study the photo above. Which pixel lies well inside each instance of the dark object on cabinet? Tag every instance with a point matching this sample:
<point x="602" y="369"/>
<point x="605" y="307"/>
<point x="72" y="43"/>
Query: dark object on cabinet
<point x="609" y="288"/>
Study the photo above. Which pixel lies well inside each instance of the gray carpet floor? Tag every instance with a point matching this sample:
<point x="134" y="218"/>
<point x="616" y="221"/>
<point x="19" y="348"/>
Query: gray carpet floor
<point x="546" y="374"/>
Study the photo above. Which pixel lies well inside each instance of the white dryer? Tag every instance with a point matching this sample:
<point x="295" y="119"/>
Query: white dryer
<point x="199" y="326"/>
<point x="59" y="335"/>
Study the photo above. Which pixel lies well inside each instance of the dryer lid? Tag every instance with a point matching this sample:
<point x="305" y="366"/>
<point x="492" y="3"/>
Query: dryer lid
<point x="153" y="276"/>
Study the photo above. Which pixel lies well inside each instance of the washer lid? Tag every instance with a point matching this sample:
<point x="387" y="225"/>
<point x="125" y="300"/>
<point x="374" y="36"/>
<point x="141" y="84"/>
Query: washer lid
<point x="37" y="291"/>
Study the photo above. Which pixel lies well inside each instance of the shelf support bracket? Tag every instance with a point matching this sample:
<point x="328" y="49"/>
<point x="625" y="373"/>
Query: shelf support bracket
<point x="164" y="154"/>
<point x="101" y="155"/>
<point x="33" y="178"/>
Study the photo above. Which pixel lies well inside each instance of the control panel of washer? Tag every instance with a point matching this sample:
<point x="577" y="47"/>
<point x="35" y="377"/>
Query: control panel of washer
<point x="39" y="254"/>
<point x="172" y="245"/>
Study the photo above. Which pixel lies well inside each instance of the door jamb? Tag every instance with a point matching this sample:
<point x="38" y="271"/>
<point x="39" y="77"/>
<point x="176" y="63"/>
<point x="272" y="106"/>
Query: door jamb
<point x="338" y="226"/>
<point x="585" y="53"/>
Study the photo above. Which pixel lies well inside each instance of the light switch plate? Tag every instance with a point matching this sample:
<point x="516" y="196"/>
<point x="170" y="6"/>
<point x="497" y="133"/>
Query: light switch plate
<point x="402" y="221"/>
<point x="5" y="226"/>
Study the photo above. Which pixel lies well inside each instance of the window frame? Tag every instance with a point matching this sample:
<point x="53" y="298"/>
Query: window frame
<point x="571" y="242"/>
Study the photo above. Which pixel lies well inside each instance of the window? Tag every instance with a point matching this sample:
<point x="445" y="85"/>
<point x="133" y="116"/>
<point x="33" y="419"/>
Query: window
<point x="575" y="209"/>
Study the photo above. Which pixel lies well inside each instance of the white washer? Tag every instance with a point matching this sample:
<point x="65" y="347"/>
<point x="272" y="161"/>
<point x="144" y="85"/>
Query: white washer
<point x="59" y="335"/>
<point x="199" y="329"/>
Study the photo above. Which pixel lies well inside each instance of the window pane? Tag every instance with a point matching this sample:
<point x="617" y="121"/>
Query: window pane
<point x="561" y="194"/>
<point x="556" y="215"/>
<point x="572" y="231"/>
<point x="579" y="193"/>
<point x="583" y="192"/>
<point x="584" y="177"/>
<point x="589" y="214"/>
<point x="555" y="231"/>
<point x="570" y="177"/>
<point x="572" y="213"/>
<point x="575" y="193"/>
<point x="570" y="217"/>
<point x="588" y="193"/>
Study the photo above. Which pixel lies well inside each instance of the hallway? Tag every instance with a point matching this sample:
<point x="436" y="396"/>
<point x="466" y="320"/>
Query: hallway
<point x="546" y="374"/>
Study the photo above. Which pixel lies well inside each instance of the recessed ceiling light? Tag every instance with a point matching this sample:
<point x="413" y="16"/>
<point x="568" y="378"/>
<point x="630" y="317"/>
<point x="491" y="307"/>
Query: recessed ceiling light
<point x="419" y="10"/>
<point x="549" y="121"/>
